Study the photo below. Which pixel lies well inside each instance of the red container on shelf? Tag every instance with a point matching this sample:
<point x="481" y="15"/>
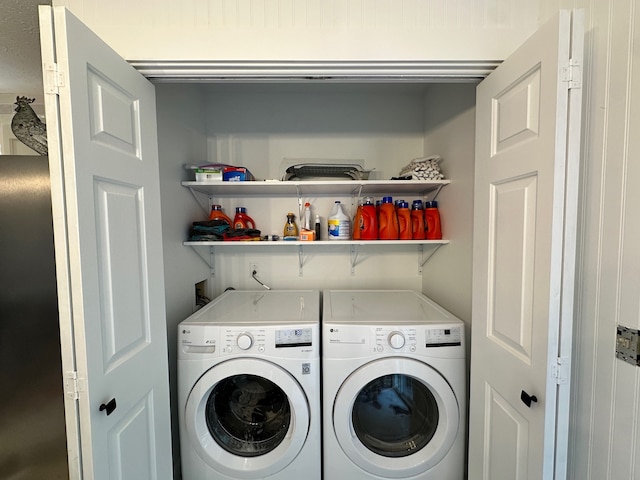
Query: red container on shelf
<point x="417" y="221"/>
<point x="242" y="220"/>
<point x="388" y="220"/>
<point x="365" y="226"/>
<point x="432" y="221"/>
<point x="404" y="221"/>
<point x="218" y="214"/>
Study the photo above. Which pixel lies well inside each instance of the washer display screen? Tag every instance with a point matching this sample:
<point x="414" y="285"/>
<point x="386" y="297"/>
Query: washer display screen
<point x="293" y="337"/>
<point x="248" y="415"/>
<point x="395" y="415"/>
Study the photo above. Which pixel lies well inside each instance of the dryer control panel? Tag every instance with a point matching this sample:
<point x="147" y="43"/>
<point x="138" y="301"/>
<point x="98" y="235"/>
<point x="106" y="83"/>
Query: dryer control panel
<point x="395" y="339"/>
<point x="351" y="341"/>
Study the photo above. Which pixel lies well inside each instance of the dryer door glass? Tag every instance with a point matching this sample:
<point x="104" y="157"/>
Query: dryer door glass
<point x="395" y="415"/>
<point x="248" y="415"/>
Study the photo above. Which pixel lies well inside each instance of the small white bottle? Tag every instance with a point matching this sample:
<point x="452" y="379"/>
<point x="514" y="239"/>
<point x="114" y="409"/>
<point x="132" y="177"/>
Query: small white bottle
<point x="307" y="216"/>
<point x="338" y="223"/>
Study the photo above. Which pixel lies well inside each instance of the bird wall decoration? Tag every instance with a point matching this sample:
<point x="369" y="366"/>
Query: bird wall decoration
<point x="27" y="126"/>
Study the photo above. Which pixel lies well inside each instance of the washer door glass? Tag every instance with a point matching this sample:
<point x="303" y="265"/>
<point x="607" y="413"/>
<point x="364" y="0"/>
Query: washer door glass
<point x="395" y="415"/>
<point x="246" y="418"/>
<point x="248" y="415"/>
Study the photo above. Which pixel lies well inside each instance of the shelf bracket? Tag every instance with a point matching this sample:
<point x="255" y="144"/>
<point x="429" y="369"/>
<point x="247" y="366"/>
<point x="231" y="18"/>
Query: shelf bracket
<point x="210" y="260"/>
<point x="300" y="209"/>
<point x="423" y="259"/>
<point x="435" y="195"/>
<point x="354" y="259"/>
<point x="206" y="208"/>
<point x="300" y="260"/>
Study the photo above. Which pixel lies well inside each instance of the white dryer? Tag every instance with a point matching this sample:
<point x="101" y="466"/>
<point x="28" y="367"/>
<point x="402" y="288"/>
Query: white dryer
<point x="249" y="387"/>
<point x="394" y="387"/>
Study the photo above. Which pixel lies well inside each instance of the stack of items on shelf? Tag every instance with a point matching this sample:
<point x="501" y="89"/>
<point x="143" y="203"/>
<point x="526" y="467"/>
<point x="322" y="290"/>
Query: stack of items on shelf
<point x="305" y="234"/>
<point x="219" y="172"/>
<point x="389" y="221"/>
<point x="219" y="227"/>
<point x="424" y="168"/>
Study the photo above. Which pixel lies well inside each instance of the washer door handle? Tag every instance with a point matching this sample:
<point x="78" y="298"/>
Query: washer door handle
<point x="108" y="407"/>
<point x="528" y="399"/>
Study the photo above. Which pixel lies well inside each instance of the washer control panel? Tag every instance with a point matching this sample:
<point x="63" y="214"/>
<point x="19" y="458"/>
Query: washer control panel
<point x="395" y="339"/>
<point x="236" y="339"/>
<point x="269" y="340"/>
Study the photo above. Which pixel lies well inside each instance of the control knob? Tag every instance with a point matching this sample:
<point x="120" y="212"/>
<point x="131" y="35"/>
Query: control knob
<point x="244" y="341"/>
<point x="396" y="340"/>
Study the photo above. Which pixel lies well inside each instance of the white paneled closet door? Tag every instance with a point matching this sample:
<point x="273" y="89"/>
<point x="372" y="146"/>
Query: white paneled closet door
<point x="526" y="186"/>
<point x="106" y="196"/>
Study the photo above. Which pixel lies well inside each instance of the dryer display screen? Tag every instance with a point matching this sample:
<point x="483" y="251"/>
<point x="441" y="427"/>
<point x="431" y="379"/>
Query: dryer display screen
<point x="443" y="337"/>
<point x="293" y="337"/>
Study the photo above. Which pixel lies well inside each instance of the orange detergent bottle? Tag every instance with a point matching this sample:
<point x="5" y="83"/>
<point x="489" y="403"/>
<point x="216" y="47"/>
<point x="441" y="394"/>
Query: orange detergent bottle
<point x="218" y="214"/>
<point x="417" y="220"/>
<point x="242" y="220"/>
<point x="432" y="220"/>
<point x="357" y="223"/>
<point x="365" y="226"/>
<point x="388" y="221"/>
<point x="404" y="221"/>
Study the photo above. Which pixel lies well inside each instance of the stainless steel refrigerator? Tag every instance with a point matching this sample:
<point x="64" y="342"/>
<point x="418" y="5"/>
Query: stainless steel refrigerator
<point x="32" y="427"/>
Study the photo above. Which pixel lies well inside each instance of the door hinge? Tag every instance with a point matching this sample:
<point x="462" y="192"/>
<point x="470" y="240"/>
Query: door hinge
<point x="560" y="371"/>
<point x="572" y="74"/>
<point x="53" y="79"/>
<point x="72" y="385"/>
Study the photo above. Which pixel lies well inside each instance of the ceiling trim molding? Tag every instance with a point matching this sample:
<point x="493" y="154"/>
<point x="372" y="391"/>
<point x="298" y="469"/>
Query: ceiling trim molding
<point x="391" y="71"/>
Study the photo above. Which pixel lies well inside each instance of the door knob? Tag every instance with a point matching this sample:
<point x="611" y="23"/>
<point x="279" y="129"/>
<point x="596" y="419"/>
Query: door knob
<point x="527" y="399"/>
<point x="108" y="407"/>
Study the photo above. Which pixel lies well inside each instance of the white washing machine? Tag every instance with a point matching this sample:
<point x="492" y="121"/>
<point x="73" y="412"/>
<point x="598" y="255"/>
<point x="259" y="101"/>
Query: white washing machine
<point x="394" y="387"/>
<point x="249" y="387"/>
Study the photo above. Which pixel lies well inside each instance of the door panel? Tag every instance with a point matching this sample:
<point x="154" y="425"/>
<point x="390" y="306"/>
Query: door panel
<point x="125" y="319"/>
<point x="516" y="112"/>
<point x="521" y="243"/>
<point x="512" y="221"/>
<point x="508" y="439"/>
<point x="110" y="199"/>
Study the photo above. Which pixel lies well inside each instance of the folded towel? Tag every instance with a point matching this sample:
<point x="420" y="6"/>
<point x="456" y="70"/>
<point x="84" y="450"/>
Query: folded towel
<point x="424" y="168"/>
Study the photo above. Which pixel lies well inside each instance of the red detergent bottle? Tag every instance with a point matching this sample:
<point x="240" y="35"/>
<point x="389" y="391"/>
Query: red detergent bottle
<point x="218" y="214"/>
<point x="417" y="220"/>
<point x="388" y="220"/>
<point x="357" y="223"/>
<point x="432" y="221"/>
<point x="242" y="220"/>
<point x="404" y="221"/>
<point x="368" y="221"/>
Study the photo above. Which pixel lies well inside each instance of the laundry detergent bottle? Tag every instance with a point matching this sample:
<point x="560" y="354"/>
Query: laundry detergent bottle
<point x="365" y="225"/>
<point x="218" y="214"/>
<point x="432" y="221"/>
<point x="242" y="220"/>
<point x="369" y="221"/>
<point x="357" y="222"/>
<point x="417" y="220"/>
<point x="388" y="220"/>
<point x="404" y="221"/>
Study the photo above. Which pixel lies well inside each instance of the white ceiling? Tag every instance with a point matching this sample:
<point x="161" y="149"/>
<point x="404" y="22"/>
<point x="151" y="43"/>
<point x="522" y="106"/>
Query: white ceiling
<point x="20" y="69"/>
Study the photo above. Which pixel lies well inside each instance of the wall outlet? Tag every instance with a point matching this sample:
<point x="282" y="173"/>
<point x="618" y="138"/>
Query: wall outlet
<point x="253" y="267"/>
